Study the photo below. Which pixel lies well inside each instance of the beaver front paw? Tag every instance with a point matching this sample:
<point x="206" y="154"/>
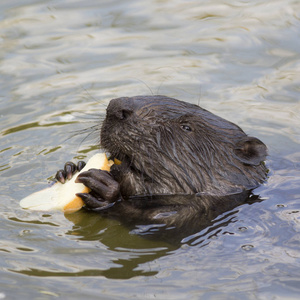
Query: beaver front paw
<point x="69" y="170"/>
<point x="105" y="190"/>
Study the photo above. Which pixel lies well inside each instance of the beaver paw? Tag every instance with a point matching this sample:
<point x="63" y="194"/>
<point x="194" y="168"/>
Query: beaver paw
<point x="105" y="190"/>
<point x="69" y="170"/>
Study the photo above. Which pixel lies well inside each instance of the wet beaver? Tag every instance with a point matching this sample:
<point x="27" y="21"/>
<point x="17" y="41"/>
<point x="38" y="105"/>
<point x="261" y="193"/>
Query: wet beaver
<point x="170" y="147"/>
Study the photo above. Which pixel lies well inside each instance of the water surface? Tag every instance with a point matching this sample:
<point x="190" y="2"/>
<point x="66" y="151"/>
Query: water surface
<point x="60" y="64"/>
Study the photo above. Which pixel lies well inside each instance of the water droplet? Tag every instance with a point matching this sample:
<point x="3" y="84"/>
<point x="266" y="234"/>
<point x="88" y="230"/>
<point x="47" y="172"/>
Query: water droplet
<point x="247" y="247"/>
<point x="280" y="205"/>
<point x="184" y="246"/>
<point x="25" y="232"/>
<point x="243" y="229"/>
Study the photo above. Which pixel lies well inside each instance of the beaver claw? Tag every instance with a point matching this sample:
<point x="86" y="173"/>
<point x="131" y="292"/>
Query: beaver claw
<point x="69" y="170"/>
<point x="105" y="190"/>
<point x="94" y="203"/>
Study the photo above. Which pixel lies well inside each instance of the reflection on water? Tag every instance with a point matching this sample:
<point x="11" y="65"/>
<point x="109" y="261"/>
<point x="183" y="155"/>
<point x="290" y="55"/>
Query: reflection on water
<point x="141" y="241"/>
<point x="62" y="61"/>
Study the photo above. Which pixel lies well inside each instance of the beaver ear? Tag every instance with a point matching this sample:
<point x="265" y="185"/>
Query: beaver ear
<point x="250" y="150"/>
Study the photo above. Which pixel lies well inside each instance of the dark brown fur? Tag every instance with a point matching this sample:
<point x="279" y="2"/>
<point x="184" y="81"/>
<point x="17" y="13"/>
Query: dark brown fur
<point x="179" y="162"/>
<point x="172" y="147"/>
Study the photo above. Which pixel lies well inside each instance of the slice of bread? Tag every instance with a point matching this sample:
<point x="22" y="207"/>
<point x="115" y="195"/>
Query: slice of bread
<point x="62" y="197"/>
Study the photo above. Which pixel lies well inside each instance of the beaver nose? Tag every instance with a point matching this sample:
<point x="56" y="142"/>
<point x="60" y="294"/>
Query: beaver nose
<point x="120" y="108"/>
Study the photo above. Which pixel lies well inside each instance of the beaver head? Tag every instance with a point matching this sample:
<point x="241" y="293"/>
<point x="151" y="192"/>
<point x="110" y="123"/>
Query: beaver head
<point x="172" y="147"/>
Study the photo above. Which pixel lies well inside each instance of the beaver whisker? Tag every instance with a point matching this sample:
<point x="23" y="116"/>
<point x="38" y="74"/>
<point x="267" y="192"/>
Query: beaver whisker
<point x="177" y="147"/>
<point x="178" y="162"/>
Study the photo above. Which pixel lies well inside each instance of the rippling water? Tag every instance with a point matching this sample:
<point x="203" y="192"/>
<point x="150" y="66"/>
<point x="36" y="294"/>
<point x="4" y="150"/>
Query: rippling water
<point x="60" y="64"/>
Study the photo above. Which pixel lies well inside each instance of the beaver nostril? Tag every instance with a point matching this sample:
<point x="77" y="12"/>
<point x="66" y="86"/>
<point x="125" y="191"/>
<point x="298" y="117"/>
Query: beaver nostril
<point x="120" y="108"/>
<point x="124" y="114"/>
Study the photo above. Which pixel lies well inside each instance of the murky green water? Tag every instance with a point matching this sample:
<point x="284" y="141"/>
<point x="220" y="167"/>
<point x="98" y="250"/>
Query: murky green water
<point x="62" y="61"/>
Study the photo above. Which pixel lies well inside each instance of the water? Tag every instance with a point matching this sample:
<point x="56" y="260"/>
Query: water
<point x="62" y="61"/>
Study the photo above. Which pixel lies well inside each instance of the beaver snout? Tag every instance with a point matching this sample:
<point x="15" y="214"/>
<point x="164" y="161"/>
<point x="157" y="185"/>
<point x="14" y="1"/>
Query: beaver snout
<point x="120" y="108"/>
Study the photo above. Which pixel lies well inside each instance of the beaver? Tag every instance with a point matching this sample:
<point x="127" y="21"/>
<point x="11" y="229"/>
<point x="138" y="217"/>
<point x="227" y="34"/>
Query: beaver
<point x="169" y="147"/>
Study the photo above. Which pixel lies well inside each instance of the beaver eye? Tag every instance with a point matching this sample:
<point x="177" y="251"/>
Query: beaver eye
<point x="186" y="127"/>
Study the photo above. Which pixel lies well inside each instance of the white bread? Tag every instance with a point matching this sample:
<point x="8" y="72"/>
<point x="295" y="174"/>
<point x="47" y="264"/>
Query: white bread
<point x="62" y="197"/>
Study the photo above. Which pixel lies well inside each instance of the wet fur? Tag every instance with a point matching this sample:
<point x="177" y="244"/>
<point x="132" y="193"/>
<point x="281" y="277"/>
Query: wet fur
<point x="172" y="147"/>
<point x="181" y="165"/>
